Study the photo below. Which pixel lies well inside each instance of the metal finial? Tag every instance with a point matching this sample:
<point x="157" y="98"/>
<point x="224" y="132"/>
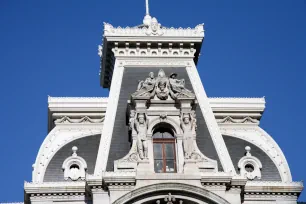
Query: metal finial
<point x="147" y="7"/>
<point x="147" y="18"/>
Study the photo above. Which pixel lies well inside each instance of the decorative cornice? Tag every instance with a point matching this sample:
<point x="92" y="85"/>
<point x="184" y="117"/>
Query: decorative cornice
<point x="120" y="178"/>
<point x="275" y="183"/>
<point x="244" y="99"/>
<point x="77" y="99"/>
<point x="212" y="100"/>
<point x="274" y="187"/>
<point x="55" y="187"/>
<point x="110" y="30"/>
<point x="154" y="53"/>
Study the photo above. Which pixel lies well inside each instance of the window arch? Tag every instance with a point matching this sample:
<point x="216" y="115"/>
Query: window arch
<point x="164" y="149"/>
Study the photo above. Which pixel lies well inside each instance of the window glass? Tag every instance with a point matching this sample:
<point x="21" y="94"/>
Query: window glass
<point x="167" y="135"/>
<point x="170" y="166"/>
<point x="157" y="135"/>
<point x="164" y="151"/>
<point x="158" y="151"/>
<point x="158" y="166"/>
<point x="169" y="150"/>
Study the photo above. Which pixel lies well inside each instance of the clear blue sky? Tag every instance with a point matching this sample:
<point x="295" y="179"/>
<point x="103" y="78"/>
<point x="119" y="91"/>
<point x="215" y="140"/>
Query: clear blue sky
<point x="252" y="49"/>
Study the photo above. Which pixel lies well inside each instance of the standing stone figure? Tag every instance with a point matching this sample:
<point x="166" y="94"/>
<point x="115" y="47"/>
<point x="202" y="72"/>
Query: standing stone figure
<point x="187" y="125"/>
<point x="131" y="120"/>
<point x="141" y="126"/>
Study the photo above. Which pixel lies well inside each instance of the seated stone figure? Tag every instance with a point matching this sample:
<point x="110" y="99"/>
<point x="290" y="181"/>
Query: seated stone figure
<point x="178" y="87"/>
<point x="145" y="87"/>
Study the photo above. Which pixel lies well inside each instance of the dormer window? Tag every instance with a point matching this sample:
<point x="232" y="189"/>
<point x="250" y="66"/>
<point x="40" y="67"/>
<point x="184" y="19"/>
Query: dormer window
<point x="164" y="150"/>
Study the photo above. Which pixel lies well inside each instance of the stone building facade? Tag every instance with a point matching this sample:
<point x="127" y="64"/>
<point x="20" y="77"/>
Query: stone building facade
<point x="157" y="138"/>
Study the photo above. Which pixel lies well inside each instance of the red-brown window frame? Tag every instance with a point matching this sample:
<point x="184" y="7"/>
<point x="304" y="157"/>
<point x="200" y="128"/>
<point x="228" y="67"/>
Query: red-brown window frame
<point x="163" y="141"/>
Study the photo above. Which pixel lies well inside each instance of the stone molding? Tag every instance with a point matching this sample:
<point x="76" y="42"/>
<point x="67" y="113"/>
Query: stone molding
<point x="230" y="120"/>
<point x="274" y="187"/>
<point x="220" y="106"/>
<point x="14" y="203"/>
<point x="83" y="120"/>
<point x="110" y="116"/>
<point x="157" y="62"/>
<point x="64" y="99"/>
<point x="153" y="53"/>
<point x="55" y="187"/>
<point x="261" y="139"/>
<point x="239" y="99"/>
<point x="275" y="183"/>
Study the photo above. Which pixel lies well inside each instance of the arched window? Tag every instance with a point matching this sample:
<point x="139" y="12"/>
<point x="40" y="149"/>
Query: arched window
<point x="164" y="150"/>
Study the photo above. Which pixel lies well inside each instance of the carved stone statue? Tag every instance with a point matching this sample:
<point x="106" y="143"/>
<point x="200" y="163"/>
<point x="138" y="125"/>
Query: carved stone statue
<point x="132" y="120"/>
<point x="162" y="90"/>
<point x="187" y="125"/>
<point x="141" y="126"/>
<point x="162" y="87"/>
<point x="145" y="88"/>
<point x="178" y="87"/>
<point x="154" y="28"/>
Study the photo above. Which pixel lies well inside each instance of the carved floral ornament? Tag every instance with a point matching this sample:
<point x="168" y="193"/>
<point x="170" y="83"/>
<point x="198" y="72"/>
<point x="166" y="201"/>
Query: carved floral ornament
<point x="169" y="199"/>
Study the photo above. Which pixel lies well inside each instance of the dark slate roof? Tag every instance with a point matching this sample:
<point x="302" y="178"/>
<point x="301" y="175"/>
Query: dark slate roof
<point x="87" y="149"/>
<point x="120" y="145"/>
<point x="236" y="149"/>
